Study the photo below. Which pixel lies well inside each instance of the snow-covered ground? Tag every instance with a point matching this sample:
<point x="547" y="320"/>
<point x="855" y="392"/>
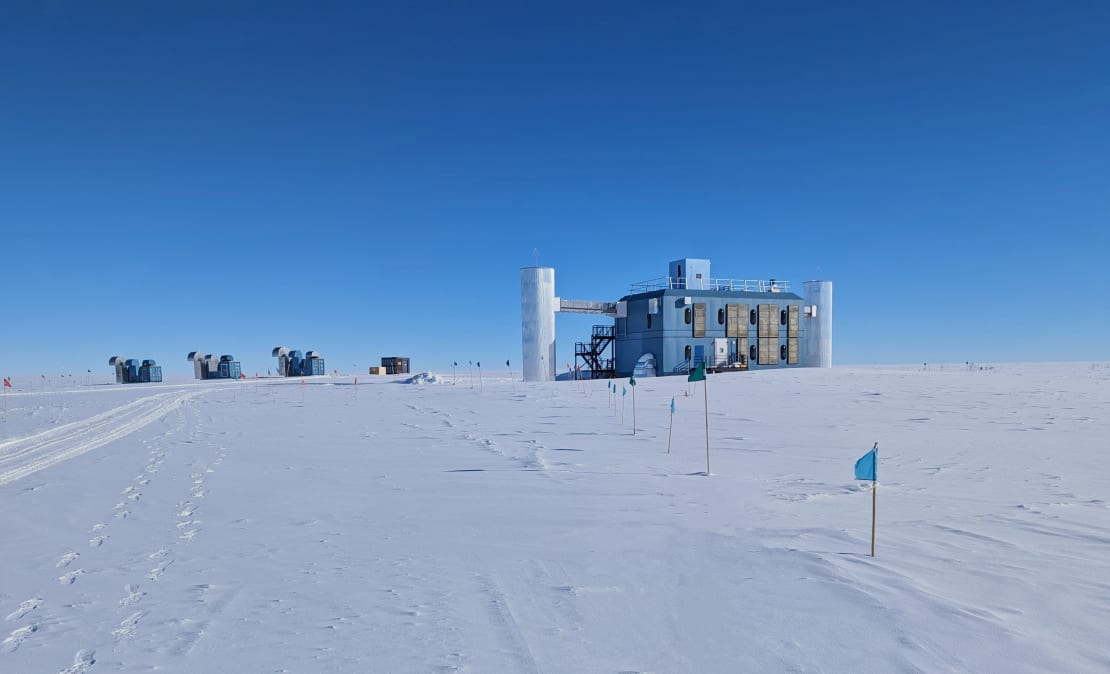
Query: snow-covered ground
<point x="270" y="525"/>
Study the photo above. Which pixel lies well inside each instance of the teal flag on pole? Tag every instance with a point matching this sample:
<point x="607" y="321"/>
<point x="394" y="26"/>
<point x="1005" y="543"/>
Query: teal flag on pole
<point x="698" y="374"/>
<point x="865" y="466"/>
<point x="632" y="380"/>
<point x="672" y="405"/>
<point x="624" y="391"/>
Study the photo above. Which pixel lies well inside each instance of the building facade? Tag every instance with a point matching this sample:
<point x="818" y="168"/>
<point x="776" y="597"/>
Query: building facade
<point x="669" y="325"/>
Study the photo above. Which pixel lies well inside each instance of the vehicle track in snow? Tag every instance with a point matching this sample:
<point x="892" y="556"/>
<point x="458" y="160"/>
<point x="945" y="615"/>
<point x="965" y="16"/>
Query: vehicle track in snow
<point x="20" y="457"/>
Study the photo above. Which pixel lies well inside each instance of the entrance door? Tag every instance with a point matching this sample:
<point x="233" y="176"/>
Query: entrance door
<point x="699" y="355"/>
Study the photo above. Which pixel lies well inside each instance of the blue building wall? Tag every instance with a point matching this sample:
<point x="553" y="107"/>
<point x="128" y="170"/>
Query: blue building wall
<point x="668" y="334"/>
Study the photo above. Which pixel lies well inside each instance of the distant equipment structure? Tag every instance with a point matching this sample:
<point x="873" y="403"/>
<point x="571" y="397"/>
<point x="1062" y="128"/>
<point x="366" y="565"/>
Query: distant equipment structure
<point x="292" y="363"/>
<point x="669" y="325"/>
<point x="208" y="366"/>
<point x="395" y="365"/>
<point x="135" y="371"/>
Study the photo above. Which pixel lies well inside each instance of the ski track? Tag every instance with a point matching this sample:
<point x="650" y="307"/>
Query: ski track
<point x="30" y="454"/>
<point x="20" y="457"/>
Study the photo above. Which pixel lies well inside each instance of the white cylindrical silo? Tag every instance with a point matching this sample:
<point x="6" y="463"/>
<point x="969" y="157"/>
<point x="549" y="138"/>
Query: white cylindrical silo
<point x="818" y="334"/>
<point x="537" y="322"/>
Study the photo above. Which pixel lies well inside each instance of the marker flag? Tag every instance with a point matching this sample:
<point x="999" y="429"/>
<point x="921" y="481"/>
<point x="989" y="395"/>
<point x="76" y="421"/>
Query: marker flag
<point x="698" y="374"/>
<point x="865" y="466"/>
<point x="7" y="383"/>
<point x="672" y="405"/>
<point x="507" y="364"/>
<point x="624" y="391"/>
<point x="632" y="380"/>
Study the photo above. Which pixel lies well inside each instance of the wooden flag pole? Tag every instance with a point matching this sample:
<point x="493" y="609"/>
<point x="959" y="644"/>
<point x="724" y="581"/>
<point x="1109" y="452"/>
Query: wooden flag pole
<point x="874" y="497"/>
<point x="705" y="389"/>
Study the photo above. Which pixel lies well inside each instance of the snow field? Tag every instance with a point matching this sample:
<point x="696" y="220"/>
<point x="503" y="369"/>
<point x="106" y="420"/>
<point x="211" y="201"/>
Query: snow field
<point x="274" y="525"/>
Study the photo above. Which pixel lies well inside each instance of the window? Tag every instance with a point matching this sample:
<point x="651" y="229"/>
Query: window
<point x="782" y="352"/>
<point x="751" y="317"/>
<point x="649" y="321"/>
<point x="687" y="352"/>
<point x="753" y="352"/>
<point x="687" y="315"/>
<point x="720" y="317"/>
<point x="782" y="317"/>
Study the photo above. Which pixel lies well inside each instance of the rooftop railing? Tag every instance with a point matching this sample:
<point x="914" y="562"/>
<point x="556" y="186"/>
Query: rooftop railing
<point x="729" y="284"/>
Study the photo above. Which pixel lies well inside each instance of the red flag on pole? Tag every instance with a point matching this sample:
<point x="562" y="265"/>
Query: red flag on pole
<point x="242" y="376"/>
<point x="7" y="383"/>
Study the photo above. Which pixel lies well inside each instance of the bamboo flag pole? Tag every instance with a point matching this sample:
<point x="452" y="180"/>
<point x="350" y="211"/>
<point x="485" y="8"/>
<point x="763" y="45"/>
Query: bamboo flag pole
<point x="671" y="427"/>
<point x="632" y="383"/>
<point x="867" y="468"/>
<point x="705" y="389"/>
<point x="480" y="386"/>
<point x="874" y="497"/>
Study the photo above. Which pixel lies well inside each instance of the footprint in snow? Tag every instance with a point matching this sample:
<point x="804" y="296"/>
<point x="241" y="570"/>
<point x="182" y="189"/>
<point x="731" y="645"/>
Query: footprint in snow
<point x="97" y="542"/>
<point x="133" y="595"/>
<point x="82" y="660"/>
<point x="65" y="559"/>
<point x="71" y="577"/>
<point x="129" y="625"/>
<point x="17" y="637"/>
<point x="157" y="571"/>
<point x="26" y="607"/>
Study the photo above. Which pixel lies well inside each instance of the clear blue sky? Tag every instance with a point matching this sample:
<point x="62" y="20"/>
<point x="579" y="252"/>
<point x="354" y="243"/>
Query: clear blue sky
<point x="366" y="179"/>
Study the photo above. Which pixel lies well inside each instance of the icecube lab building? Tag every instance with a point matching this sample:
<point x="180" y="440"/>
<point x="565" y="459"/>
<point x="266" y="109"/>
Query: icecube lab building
<point x="667" y="325"/>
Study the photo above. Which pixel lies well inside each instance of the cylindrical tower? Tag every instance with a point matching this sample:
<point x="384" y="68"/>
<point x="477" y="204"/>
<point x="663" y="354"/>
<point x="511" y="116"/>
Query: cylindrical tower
<point x="818" y="335"/>
<point x="537" y="322"/>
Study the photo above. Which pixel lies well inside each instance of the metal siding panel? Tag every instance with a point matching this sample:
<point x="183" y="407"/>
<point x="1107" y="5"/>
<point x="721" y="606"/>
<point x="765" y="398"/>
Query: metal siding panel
<point x="768" y="351"/>
<point x="792" y="351"/>
<point x="742" y="347"/>
<point x="792" y="321"/>
<point x="768" y="320"/>
<point x="732" y="320"/>
<point x="699" y="319"/>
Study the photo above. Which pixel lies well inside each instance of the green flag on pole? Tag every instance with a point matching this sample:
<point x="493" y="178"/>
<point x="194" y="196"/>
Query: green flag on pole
<point x="632" y="380"/>
<point x="698" y="374"/>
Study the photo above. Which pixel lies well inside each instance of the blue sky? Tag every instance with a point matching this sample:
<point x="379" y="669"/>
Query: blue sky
<point x="366" y="179"/>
